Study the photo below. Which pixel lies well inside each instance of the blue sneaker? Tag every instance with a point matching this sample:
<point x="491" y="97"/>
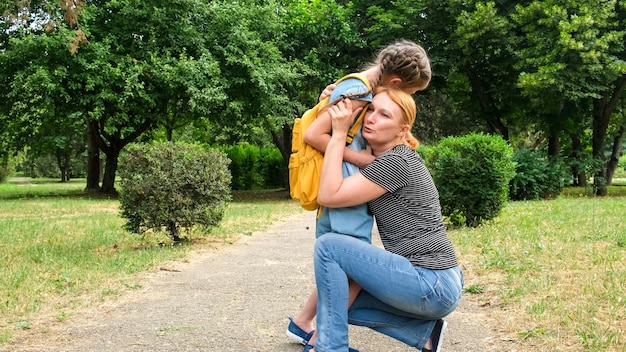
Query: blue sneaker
<point x="295" y="333"/>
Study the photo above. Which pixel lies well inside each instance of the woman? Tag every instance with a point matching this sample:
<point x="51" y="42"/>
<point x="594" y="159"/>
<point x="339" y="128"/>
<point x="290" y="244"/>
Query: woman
<point x="408" y="287"/>
<point x="402" y="64"/>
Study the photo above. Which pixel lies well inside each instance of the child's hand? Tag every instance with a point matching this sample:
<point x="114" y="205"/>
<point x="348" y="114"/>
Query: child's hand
<point x="326" y="92"/>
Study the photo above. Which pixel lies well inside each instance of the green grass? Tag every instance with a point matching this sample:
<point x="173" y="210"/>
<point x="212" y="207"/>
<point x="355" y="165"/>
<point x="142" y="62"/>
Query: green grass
<point x="553" y="271"/>
<point x="617" y="189"/>
<point x="24" y="187"/>
<point x="63" y="252"/>
<point x="556" y="271"/>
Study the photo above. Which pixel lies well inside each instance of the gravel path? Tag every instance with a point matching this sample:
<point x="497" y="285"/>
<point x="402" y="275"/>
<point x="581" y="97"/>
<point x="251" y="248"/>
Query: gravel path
<point x="235" y="298"/>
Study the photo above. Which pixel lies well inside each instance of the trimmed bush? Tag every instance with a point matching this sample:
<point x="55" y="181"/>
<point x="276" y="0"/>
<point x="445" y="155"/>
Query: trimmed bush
<point x="272" y="168"/>
<point x="472" y="174"/>
<point x="173" y="187"/>
<point x="255" y="168"/>
<point x="243" y="166"/>
<point x="536" y="176"/>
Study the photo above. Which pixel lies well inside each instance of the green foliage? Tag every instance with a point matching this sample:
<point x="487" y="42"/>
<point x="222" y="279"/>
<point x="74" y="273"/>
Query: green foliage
<point x="173" y="187"/>
<point x="47" y="166"/>
<point x="622" y="162"/>
<point x="323" y="36"/>
<point x="252" y="167"/>
<point x="272" y="168"/>
<point x="243" y="166"/>
<point x="536" y="176"/>
<point x="6" y="167"/>
<point x="472" y="174"/>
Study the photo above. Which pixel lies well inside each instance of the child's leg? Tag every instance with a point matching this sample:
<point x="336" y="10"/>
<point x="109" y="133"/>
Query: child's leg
<point x="304" y="319"/>
<point x="353" y="292"/>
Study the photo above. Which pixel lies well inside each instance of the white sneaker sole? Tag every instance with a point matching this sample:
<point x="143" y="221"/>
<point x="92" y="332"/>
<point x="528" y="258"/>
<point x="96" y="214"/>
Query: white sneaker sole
<point x="295" y="337"/>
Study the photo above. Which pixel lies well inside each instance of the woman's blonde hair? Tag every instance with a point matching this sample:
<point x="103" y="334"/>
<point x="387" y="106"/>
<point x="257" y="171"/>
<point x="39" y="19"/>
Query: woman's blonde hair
<point x="406" y="60"/>
<point x="409" y="111"/>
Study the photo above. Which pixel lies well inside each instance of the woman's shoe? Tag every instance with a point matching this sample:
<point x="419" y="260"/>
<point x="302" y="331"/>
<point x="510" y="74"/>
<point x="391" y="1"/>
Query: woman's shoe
<point x="295" y="333"/>
<point x="436" y="337"/>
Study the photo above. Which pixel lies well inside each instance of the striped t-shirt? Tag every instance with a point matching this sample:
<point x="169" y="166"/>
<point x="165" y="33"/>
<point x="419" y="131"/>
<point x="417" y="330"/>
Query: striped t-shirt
<point x="409" y="215"/>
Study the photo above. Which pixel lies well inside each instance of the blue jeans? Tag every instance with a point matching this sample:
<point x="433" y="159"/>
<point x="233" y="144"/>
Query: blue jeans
<point x="397" y="299"/>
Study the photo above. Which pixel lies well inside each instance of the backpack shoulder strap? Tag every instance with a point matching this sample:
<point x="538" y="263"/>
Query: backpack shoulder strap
<point x="359" y="121"/>
<point x="355" y="126"/>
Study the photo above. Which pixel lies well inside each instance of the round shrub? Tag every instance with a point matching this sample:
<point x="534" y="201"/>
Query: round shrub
<point x="472" y="174"/>
<point x="536" y="176"/>
<point x="173" y="187"/>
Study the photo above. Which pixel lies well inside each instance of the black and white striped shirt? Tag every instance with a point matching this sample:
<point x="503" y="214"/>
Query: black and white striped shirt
<point x="409" y="216"/>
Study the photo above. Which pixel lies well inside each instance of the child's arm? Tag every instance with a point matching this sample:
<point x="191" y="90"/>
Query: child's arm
<point x="318" y="136"/>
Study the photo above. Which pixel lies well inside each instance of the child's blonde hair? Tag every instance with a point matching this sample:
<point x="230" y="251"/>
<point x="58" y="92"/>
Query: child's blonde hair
<point x="404" y="59"/>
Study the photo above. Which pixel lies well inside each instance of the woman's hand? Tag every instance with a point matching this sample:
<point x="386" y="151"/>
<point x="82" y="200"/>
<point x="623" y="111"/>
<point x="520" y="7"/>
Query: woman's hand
<point x="342" y="116"/>
<point x="326" y="92"/>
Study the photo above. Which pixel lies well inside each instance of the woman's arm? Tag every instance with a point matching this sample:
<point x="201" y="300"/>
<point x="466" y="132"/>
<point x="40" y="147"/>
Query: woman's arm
<point x="335" y="191"/>
<point x="318" y="136"/>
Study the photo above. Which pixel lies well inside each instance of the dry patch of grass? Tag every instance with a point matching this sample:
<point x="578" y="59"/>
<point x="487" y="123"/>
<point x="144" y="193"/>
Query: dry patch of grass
<point x="554" y="271"/>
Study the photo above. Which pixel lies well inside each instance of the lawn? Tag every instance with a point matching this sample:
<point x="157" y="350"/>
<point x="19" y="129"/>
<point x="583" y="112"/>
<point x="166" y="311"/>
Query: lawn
<point x="64" y="250"/>
<point x="552" y="273"/>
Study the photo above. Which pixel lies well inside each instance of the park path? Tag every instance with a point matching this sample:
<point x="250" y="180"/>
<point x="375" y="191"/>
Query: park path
<point x="234" y="298"/>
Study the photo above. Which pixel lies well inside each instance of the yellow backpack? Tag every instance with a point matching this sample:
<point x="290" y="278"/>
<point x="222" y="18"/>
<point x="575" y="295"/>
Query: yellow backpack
<point x="305" y="162"/>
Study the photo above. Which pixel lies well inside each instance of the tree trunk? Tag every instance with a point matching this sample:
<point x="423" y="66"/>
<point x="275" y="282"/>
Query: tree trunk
<point x="600" y="125"/>
<point x="284" y="145"/>
<point x="553" y="145"/>
<point x="603" y="108"/>
<point x="110" y="169"/>
<point x="63" y="162"/>
<point x="580" y="177"/>
<point x="93" y="157"/>
<point x="4" y="166"/>
<point x="616" y="151"/>
<point x="172" y="228"/>
<point x="485" y="101"/>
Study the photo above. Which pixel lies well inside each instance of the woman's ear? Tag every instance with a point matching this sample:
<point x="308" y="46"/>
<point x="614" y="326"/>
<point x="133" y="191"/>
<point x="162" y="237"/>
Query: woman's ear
<point x="403" y="130"/>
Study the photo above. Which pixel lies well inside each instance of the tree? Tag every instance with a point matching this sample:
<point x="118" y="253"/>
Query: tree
<point x="260" y="80"/>
<point x="471" y="51"/>
<point x="36" y="110"/>
<point x="479" y="47"/>
<point x="118" y="79"/>
<point x="573" y="53"/>
<point x="142" y="64"/>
